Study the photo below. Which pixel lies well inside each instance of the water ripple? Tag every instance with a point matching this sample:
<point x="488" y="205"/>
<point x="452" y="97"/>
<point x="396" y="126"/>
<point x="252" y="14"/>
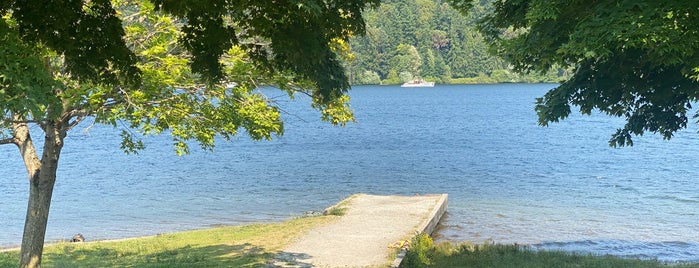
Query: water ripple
<point x="665" y="251"/>
<point x="508" y="180"/>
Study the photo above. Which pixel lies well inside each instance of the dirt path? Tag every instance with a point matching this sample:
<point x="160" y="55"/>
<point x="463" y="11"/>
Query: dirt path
<point x="363" y="235"/>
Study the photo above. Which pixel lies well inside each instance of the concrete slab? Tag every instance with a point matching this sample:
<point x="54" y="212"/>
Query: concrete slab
<point x="363" y="236"/>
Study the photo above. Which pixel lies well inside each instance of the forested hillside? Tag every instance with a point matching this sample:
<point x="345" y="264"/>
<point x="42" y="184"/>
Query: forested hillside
<point x="407" y="39"/>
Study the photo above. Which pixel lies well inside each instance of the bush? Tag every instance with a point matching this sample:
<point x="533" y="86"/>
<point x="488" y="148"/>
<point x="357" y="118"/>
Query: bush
<point x="369" y="78"/>
<point x="420" y="252"/>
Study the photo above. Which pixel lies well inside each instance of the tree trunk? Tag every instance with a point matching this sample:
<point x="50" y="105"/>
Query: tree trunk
<point x="40" y="192"/>
<point x="42" y="177"/>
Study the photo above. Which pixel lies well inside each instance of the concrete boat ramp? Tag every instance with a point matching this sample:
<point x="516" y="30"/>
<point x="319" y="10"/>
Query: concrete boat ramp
<point x="363" y="236"/>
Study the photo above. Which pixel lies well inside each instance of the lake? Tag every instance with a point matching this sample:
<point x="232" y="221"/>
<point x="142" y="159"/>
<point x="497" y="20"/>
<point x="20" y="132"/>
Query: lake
<point x="508" y="179"/>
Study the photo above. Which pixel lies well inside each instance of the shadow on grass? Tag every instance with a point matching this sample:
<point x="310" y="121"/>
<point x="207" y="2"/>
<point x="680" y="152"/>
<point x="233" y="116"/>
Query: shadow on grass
<point x="243" y="255"/>
<point x="287" y="259"/>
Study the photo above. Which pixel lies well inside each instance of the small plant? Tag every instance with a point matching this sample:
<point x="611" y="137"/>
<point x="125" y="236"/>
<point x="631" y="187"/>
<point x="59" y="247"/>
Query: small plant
<point x="340" y="209"/>
<point x="420" y="252"/>
<point x="336" y="211"/>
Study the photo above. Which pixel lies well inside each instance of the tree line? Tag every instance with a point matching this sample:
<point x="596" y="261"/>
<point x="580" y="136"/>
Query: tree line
<point x="429" y="39"/>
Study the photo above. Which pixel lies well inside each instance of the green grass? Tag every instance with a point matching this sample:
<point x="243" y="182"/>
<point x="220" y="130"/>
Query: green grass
<point x="340" y="208"/>
<point x="256" y="245"/>
<point x="336" y="211"/>
<point x="424" y="254"/>
<point x="9" y="259"/>
<point x="235" y="246"/>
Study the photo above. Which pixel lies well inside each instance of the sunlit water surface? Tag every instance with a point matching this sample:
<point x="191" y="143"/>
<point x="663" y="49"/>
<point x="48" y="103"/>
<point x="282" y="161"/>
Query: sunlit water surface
<point x="508" y="179"/>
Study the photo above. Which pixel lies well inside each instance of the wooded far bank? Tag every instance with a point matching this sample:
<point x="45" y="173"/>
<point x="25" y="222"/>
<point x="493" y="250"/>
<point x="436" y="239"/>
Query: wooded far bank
<point x="407" y="39"/>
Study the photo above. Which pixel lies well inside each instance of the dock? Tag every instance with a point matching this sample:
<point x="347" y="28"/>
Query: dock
<point x="365" y="235"/>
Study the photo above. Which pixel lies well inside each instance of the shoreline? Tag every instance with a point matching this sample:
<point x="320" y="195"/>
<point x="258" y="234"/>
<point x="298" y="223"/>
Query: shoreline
<point x="6" y="249"/>
<point x="310" y="213"/>
<point x="119" y="239"/>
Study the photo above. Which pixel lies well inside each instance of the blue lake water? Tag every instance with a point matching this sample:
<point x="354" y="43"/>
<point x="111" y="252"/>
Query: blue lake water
<point x="508" y="179"/>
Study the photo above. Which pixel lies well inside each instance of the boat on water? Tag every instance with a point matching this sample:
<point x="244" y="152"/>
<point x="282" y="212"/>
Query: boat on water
<point x="418" y="83"/>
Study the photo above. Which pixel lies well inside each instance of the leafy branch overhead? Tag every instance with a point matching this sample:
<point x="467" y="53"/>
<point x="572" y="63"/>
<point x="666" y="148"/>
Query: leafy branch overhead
<point x="633" y="59"/>
<point x="188" y="68"/>
<point x="171" y="65"/>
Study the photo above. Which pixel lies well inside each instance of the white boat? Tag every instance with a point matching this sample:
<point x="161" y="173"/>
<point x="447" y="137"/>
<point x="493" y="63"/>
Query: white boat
<point x="418" y="83"/>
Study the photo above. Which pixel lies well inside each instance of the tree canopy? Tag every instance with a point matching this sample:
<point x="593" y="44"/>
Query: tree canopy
<point x="633" y="59"/>
<point x="186" y="68"/>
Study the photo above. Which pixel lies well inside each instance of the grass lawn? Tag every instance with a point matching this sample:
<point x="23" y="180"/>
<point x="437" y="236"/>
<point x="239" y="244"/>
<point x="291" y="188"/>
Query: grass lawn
<point x="255" y="245"/>
<point x="235" y="246"/>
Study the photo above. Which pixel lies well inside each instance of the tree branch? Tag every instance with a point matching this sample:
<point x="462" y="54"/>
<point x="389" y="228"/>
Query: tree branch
<point x="7" y="141"/>
<point x="16" y="121"/>
<point x="78" y="114"/>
